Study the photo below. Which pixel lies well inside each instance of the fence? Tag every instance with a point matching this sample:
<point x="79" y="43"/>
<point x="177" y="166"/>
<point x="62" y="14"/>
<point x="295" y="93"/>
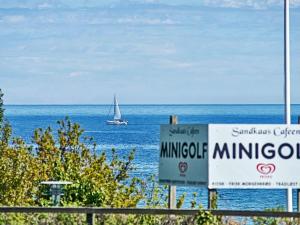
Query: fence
<point x="91" y="211"/>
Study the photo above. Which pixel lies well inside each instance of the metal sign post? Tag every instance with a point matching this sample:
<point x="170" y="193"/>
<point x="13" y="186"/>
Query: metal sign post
<point x="287" y="91"/>
<point x="298" y="190"/>
<point x="172" y="189"/>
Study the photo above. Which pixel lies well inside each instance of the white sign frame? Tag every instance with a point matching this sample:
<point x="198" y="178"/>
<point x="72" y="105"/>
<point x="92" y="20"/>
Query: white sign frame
<point x="273" y="162"/>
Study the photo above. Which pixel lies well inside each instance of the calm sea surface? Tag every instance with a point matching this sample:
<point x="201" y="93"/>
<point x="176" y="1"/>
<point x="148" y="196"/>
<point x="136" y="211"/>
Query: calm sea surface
<point x="142" y="134"/>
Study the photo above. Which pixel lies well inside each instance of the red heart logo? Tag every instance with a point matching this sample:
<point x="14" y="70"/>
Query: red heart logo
<point x="183" y="166"/>
<point x="265" y="169"/>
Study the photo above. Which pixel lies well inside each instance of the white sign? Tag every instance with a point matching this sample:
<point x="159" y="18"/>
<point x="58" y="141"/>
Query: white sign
<point x="254" y="156"/>
<point x="183" y="155"/>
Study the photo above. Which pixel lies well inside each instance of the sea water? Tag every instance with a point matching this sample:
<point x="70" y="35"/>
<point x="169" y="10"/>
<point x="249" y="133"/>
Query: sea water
<point x="142" y="134"/>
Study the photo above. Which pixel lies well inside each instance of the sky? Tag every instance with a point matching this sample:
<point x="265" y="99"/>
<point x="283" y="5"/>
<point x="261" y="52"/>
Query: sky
<point x="146" y="51"/>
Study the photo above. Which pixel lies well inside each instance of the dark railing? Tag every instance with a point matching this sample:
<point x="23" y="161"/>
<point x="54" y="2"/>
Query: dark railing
<point x="91" y="211"/>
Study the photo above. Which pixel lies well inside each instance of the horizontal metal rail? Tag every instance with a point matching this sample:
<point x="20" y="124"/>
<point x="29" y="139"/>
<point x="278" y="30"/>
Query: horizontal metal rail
<point x="145" y="211"/>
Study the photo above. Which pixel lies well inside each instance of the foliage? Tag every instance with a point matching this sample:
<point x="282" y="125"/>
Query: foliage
<point x="5" y="128"/>
<point x="205" y="217"/>
<point x="43" y="219"/>
<point x="66" y="155"/>
<point x="18" y="172"/>
<point x="156" y="196"/>
<point x="274" y="221"/>
<point x="1" y="107"/>
<point x="15" y="167"/>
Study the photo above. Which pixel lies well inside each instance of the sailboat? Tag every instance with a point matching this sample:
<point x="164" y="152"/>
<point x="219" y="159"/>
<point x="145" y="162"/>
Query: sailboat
<point x="117" y="115"/>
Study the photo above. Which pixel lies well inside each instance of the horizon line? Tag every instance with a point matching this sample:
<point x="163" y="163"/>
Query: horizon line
<point x="97" y="104"/>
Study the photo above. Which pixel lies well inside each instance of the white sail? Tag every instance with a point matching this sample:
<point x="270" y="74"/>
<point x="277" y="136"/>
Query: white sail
<point x="117" y="113"/>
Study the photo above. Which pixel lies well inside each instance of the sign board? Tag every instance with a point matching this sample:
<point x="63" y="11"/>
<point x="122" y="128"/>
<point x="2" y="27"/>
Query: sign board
<point x="183" y="155"/>
<point x="254" y="156"/>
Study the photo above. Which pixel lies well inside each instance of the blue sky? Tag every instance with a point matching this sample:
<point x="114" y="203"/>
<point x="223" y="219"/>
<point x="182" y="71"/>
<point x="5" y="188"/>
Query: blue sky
<point x="146" y="51"/>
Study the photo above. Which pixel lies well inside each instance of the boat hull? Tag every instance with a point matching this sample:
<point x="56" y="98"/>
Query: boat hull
<point x="116" y="122"/>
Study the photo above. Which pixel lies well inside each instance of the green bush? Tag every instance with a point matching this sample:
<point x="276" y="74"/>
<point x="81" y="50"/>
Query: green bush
<point x="64" y="155"/>
<point x="273" y="220"/>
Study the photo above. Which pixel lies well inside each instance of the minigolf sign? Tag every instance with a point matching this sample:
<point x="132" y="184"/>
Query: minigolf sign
<point x="183" y="155"/>
<point x="254" y="156"/>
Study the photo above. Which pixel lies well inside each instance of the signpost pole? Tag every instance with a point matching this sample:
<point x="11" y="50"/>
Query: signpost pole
<point x="298" y="190"/>
<point x="172" y="189"/>
<point x="287" y="84"/>
<point x="212" y="199"/>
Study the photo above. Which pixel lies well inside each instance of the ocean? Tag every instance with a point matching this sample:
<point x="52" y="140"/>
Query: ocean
<point x="142" y="134"/>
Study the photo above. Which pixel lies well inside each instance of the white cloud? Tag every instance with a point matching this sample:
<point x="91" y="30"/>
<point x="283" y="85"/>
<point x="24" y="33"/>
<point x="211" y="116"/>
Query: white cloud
<point x="44" y="5"/>
<point x="75" y="74"/>
<point x="170" y="64"/>
<point x="38" y="4"/>
<point x="146" y="21"/>
<point x="14" y="19"/>
<point x="256" y="4"/>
